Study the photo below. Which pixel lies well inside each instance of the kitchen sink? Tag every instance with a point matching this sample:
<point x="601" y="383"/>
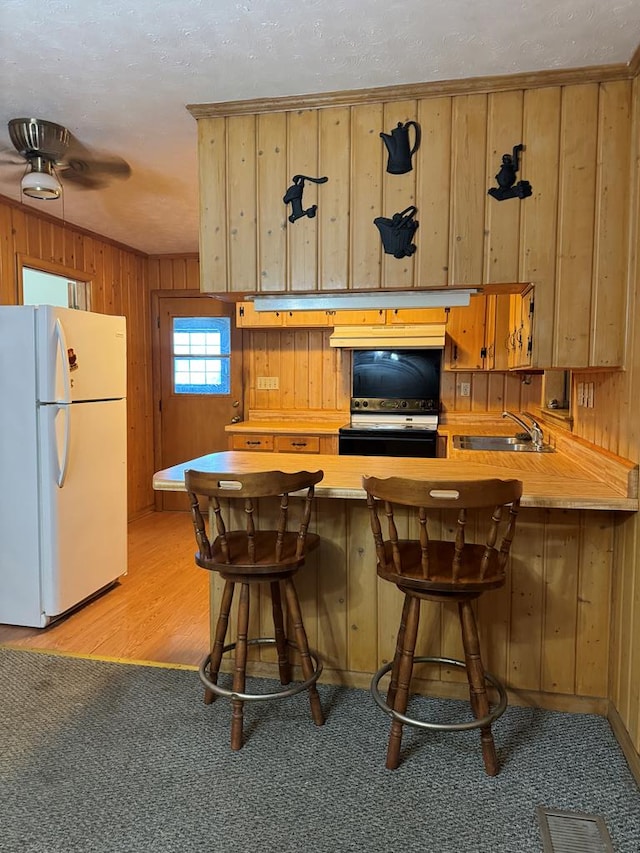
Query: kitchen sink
<point x="512" y="443"/>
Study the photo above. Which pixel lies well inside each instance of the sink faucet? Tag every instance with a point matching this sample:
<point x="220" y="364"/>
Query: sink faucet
<point x="534" y="430"/>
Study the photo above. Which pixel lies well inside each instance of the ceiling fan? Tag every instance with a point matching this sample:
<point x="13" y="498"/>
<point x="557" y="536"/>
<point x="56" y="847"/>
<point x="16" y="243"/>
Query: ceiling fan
<point x="52" y="152"/>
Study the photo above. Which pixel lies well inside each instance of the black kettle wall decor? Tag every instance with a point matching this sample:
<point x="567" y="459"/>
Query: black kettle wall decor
<point x="506" y="178"/>
<point x="294" y="196"/>
<point x="398" y="232"/>
<point x="399" y="148"/>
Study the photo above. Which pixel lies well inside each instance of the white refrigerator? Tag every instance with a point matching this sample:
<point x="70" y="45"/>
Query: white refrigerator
<point x="63" y="459"/>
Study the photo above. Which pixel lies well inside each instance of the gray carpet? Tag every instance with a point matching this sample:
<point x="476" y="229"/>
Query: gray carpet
<point x="98" y="756"/>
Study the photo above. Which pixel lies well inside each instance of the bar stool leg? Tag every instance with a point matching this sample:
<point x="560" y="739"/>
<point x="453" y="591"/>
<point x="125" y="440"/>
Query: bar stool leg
<point x="222" y="626"/>
<point x="281" y="639"/>
<point x="393" y="683"/>
<point x="239" y="672"/>
<point x="477" y="685"/>
<point x="303" y="647"/>
<point x="404" y="671"/>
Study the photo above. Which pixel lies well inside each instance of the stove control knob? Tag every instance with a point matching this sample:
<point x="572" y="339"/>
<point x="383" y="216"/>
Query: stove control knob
<point x="364" y="404"/>
<point x="356" y="404"/>
<point x="404" y="404"/>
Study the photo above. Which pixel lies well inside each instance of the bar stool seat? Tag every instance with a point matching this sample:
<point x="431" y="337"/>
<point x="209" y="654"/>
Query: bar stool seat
<point x="433" y="569"/>
<point x="253" y="556"/>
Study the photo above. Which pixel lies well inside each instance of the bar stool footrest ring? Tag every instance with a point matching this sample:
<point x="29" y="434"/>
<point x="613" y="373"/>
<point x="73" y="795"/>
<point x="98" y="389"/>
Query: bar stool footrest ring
<point x="298" y="687"/>
<point x="479" y="723"/>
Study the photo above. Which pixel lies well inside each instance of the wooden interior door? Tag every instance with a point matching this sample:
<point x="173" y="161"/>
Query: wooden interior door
<point x="192" y="424"/>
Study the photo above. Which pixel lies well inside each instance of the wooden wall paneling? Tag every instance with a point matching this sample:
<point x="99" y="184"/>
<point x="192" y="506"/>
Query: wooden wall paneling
<point x="302" y="235"/>
<point x="19" y="231"/>
<point x="390" y="598"/>
<point x="626" y="634"/>
<point x="153" y="271"/>
<point x="479" y="392"/>
<point x="561" y="571"/>
<point x="212" y="155"/>
<point x="33" y="236"/>
<point x="362" y="589"/>
<point x="576" y="212"/>
<point x="97" y="284"/>
<point x="502" y="221"/>
<point x="273" y="181"/>
<point x="495" y="392"/>
<point x="287" y="369"/>
<point x="331" y="520"/>
<point x="468" y="190"/>
<point x="242" y="203"/>
<point x="333" y="208"/>
<point x="538" y="220"/>
<point x="398" y="192"/>
<point x="432" y="165"/>
<point x="7" y="260"/>
<point x="527" y="602"/>
<point x="594" y="604"/>
<point x="366" y="196"/>
<point x="331" y="375"/>
<point x="57" y="244"/>
<point x="609" y="302"/>
<point x="193" y="273"/>
<point x="502" y="218"/>
<point x="301" y="370"/>
<point x="315" y="394"/>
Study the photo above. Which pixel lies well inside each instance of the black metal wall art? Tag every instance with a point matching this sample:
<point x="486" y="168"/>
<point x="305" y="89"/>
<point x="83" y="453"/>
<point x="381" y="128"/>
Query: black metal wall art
<point x="398" y="232"/>
<point x="399" y="148"/>
<point x="294" y="196"/>
<point x="506" y="178"/>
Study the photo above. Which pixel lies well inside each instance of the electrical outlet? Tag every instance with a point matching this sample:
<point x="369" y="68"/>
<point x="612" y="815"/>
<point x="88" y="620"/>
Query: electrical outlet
<point x="465" y="389"/>
<point x="268" y="383"/>
<point x="580" y="394"/>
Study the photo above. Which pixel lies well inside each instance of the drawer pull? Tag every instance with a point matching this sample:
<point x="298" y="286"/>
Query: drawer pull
<point x="298" y="444"/>
<point x="253" y="443"/>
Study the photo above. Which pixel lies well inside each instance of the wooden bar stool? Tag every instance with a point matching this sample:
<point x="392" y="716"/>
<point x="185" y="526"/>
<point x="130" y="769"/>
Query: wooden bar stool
<point x="248" y="557"/>
<point x="443" y="571"/>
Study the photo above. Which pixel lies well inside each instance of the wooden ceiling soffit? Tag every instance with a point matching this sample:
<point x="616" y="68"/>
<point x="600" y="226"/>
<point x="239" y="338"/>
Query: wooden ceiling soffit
<point x="409" y="91"/>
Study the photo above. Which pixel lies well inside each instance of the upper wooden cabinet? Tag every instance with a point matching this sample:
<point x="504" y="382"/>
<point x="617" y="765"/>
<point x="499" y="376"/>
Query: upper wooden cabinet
<point x="569" y="238"/>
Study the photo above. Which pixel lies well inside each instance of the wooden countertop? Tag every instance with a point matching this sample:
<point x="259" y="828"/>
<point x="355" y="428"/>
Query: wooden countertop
<point x="550" y="479"/>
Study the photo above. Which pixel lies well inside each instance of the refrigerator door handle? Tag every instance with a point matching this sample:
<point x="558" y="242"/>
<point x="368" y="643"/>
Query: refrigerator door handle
<point x="64" y="466"/>
<point x="61" y="345"/>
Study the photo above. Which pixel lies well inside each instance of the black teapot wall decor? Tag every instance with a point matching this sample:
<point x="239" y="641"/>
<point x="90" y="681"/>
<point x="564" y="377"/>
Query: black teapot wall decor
<point x="293" y="196"/>
<point x="398" y="232"/>
<point x="506" y="178"/>
<point x="399" y="148"/>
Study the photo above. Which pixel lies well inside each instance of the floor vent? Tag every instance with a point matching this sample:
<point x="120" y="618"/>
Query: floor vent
<point x="573" y="832"/>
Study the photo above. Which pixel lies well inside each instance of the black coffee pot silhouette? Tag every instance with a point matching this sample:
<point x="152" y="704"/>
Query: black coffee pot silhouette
<point x="399" y="149"/>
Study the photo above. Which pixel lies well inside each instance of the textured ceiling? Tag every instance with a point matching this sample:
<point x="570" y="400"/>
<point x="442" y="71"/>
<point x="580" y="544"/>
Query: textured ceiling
<point x="119" y="77"/>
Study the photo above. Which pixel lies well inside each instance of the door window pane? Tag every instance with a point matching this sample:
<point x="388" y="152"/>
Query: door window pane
<point x="201" y="355"/>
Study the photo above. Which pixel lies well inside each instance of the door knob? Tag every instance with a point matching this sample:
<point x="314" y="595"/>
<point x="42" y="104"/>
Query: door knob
<point x="235" y="419"/>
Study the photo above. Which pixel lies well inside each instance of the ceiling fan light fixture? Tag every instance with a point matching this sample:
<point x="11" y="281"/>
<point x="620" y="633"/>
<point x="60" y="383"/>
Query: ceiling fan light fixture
<point x="40" y="181"/>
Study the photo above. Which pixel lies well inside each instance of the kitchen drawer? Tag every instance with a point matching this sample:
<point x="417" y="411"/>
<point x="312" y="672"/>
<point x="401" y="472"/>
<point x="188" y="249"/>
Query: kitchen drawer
<point x="297" y="444"/>
<point x="252" y="442"/>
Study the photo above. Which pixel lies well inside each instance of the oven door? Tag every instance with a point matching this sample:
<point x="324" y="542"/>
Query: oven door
<point x="385" y="442"/>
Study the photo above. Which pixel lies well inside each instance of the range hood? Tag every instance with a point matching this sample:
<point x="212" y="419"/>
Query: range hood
<point x="425" y="336"/>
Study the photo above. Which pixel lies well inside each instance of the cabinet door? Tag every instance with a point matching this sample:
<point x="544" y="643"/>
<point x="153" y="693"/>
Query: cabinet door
<point x="248" y="318"/>
<point x="357" y="318"/>
<point x="406" y="316"/>
<point x="523" y="330"/>
<point x="306" y="319"/>
<point x="465" y="348"/>
<point x="498" y="332"/>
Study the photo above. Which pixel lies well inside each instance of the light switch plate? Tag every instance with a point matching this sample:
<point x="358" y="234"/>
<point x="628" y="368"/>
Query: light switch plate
<point x="268" y="383"/>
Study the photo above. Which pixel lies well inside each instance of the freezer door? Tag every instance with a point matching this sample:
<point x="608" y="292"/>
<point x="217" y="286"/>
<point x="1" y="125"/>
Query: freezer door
<point x="83" y="500"/>
<point x="80" y="355"/>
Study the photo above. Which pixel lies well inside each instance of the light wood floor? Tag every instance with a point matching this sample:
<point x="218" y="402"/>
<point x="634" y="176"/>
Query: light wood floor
<point x="158" y="612"/>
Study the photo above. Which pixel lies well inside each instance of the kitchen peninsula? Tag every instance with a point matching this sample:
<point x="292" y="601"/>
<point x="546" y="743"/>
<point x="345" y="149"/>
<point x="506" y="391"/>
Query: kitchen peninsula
<point x="546" y="633"/>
